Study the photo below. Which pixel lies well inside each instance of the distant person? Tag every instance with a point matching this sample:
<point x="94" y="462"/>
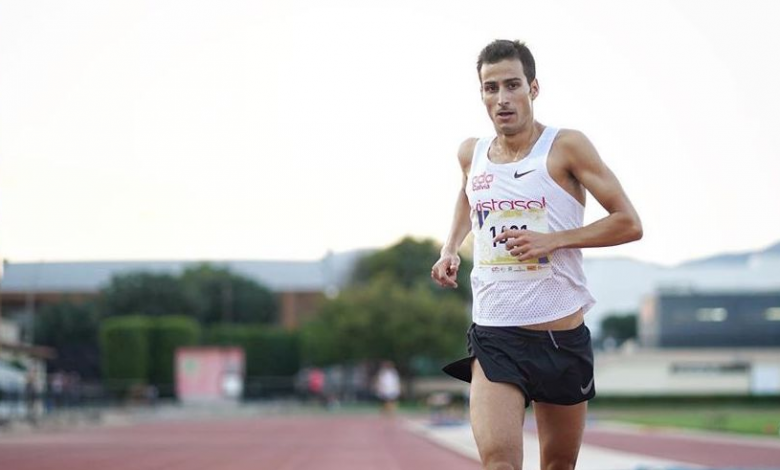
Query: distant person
<point x="388" y="387"/>
<point x="72" y="389"/>
<point x="31" y="396"/>
<point x="152" y="395"/>
<point x="315" y="384"/>
<point x="523" y="197"/>
<point x="56" y="389"/>
<point x="334" y="386"/>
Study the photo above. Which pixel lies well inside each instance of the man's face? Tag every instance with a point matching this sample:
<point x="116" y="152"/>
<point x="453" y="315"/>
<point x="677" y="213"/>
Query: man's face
<point x="507" y="95"/>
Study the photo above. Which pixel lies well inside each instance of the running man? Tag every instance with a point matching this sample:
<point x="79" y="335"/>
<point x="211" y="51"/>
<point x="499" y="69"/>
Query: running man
<point x="523" y="196"/>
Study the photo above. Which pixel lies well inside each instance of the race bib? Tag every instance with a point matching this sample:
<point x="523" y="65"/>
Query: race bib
<point x="493" y="261"/>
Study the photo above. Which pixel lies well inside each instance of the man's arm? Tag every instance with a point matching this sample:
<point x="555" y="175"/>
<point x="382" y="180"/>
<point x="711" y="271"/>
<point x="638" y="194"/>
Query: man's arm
<point x="622" y="225"/>
<point x="445" y="270"/>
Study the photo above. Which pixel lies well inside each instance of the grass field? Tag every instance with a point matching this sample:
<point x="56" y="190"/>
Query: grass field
<point x="735" y="416"/>
<point x="747" y="420"/>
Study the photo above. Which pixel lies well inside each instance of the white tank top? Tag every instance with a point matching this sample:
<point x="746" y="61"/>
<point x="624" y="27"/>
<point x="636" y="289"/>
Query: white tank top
<point x="522" y="195"/>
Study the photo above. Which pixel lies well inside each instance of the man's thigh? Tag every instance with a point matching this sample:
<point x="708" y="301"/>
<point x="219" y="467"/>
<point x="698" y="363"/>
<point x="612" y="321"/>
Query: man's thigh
<point x="560" y="429"/>
<point x="497" y="412"/>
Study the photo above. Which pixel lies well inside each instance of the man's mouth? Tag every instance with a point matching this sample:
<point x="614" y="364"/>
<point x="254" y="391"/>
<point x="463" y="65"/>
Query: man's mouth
<point x="505" y="114"/>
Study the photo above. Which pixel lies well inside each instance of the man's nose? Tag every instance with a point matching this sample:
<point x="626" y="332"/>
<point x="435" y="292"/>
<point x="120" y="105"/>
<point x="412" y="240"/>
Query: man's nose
<point x="502" y="97"/>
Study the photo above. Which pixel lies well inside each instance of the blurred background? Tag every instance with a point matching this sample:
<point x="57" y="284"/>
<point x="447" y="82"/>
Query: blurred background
<point x="235" y="205"/>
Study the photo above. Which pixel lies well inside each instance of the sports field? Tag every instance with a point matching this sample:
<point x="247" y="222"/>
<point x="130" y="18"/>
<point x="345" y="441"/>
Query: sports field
<point x="297" y="439"/>
<point x="326" y="442"/>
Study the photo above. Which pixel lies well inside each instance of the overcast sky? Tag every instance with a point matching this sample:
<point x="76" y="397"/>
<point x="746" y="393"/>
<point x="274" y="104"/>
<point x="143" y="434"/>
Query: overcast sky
<point x="280" y="130"/>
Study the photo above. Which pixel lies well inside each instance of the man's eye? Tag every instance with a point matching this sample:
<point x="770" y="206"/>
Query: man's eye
<point x="514" y="86"/>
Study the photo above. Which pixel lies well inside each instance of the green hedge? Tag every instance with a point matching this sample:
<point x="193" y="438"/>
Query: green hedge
<point x="167" y="334"/>
<point x="124" y="346"/>
<point x="137" y="350"/>
<point x="268" y="351"/>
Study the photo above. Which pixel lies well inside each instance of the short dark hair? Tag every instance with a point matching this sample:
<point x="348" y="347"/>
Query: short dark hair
<point x="503" y="49"/>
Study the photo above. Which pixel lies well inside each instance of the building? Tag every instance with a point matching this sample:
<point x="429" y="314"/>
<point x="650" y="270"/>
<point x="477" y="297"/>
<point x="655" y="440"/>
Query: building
<point x="718" y="319"/>
<point x="22" y="370"/>
<point x="694" y="342"/>
<point x="621" y="285"/>
<point x="300" y="286"/>
<point x="650" y="372"/>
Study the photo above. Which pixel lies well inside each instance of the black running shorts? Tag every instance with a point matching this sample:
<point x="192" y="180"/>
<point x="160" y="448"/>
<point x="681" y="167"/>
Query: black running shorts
<point x="548" y="366"/>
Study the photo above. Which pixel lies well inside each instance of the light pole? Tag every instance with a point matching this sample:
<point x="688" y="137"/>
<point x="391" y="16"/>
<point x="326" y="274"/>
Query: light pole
<point x="30" y="302"/>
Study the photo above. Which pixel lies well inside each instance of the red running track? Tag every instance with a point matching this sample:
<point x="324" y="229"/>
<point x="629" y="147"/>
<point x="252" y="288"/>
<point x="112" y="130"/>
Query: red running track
<point x="265" y="443"/>
<point x="710" y="450"/>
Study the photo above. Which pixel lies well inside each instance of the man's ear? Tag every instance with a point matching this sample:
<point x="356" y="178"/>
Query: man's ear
<point x="534" y="89"/>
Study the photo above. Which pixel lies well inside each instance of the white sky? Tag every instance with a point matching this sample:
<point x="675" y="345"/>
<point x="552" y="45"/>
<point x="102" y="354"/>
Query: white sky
<point x="279" y="130"/>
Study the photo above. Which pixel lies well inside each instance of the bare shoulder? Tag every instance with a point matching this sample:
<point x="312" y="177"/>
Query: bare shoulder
<point x="466" y="153"/>
<point x="574" y="146"/>
<point x="573" y="161"/>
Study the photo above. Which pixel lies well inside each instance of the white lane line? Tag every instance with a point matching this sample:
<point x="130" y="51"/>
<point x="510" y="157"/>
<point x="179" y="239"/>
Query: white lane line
<point x="459" y="438"/>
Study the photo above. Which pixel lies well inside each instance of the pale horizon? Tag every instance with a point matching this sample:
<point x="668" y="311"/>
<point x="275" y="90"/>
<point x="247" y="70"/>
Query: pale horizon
<point x="588" y="255"/>
<point x="259" y="130"/>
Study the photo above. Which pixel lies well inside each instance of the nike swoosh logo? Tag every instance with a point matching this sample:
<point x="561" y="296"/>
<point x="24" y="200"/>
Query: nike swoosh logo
<point x="520" y="175"/>
<point x="586" y="389"/>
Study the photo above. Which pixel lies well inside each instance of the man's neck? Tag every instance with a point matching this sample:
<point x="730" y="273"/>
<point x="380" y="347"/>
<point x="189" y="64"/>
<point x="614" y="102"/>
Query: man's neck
<point x="522" y="140"/>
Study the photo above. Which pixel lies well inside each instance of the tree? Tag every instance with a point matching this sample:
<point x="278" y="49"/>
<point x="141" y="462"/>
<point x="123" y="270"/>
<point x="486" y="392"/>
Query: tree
<point x="144" y="293"/>
<point x="620" y="326"/>
<point x="219" y="296"/>
<point x="209" y="294"/>
<point x="66" y="322"/>
<point x="409" y="263"/>
<point x="385" y="320"/>
<point x="72" y="330"/>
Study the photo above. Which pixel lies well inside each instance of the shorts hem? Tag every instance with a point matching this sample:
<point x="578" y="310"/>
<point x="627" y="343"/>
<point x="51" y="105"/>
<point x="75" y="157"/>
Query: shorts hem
<point x="567" y="403"/>
<point x="461" y="370"/>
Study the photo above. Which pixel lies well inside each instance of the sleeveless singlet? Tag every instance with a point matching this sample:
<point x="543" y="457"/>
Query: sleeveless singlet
<point x="522" y="195"/>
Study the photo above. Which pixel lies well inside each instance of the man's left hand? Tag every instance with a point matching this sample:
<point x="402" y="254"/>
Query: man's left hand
<point x="526" y="244"/>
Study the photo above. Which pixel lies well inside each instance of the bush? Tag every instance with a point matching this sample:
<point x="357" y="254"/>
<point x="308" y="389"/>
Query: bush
<point x="169" y="333"/>
<point x="124" y="346"/>
<point x="269" y="352"/>
<point x="275" y="352"/>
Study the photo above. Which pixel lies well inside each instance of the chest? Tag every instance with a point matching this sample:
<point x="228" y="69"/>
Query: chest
<point x="523" y="180"/>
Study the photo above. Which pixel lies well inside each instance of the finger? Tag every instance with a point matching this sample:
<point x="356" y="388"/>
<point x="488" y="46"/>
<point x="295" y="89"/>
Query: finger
<point x="444" y="281"/>
<point x="531" y="254"/>
<point x="505" y="235"/>
<point x="518" y="253"/>
<point x="522" y="252"/>
<point x="441" y="277"/>
<point x="518" y="245"/>
<point x="518" y="239"/>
